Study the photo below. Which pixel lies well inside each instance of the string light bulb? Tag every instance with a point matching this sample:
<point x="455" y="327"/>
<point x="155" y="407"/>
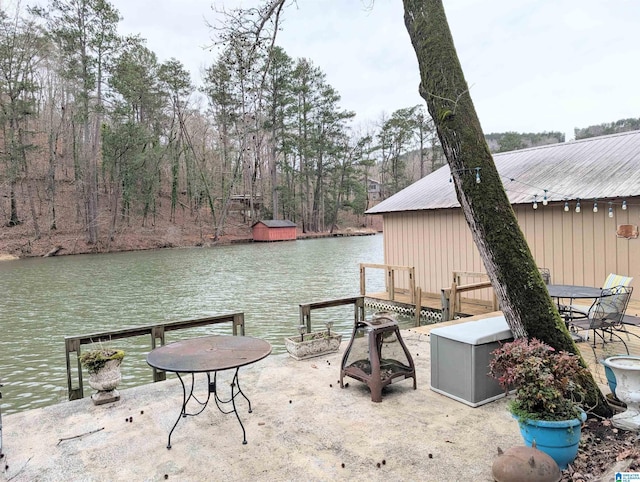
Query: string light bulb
<point x="544" y="199"/>
<point x="595" y="207"/>
<point x="610" y="211"/>
<point x="624" y="205"/>
<point x="535" y="202"/>
<point x="477" y="175"/>
<point x="566" y="207"/>
<point x="578" y="206"/>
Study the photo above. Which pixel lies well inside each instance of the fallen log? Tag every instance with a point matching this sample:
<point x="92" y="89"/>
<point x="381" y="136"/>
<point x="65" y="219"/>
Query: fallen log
<point x="53" y="252"/>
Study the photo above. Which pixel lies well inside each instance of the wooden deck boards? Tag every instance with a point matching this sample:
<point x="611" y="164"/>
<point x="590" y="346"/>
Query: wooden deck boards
<point x="432" y="302"/>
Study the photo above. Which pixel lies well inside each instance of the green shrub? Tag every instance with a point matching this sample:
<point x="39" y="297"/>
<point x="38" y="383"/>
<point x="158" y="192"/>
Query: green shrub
<point x="94" y="360"/>
<point x="544" y="379"/>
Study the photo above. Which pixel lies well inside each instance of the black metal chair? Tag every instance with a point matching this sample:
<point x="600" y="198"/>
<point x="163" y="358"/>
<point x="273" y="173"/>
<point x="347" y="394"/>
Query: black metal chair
<point x="605" y="316"/>
<point x="546" y="275"/>
<point x="612" y="281"/>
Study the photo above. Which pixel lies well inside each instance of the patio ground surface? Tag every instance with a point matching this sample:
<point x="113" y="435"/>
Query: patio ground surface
<point x="303" y="427"/>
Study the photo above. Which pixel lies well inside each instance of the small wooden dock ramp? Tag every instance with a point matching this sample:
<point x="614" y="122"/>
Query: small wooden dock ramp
<point x="402" y="294"/>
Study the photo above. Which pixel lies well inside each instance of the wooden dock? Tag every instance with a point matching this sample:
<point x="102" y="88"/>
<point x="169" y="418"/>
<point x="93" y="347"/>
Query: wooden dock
<point x="402" y="292"/>
<point x="432" y="302"/>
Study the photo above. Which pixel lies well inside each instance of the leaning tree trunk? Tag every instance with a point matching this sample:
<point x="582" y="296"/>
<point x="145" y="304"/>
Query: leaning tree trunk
<point x="512" y="270"/>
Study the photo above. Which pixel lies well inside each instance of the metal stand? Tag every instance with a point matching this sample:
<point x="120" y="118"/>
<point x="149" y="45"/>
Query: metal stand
<point x="374" y="361"/>
<point x="212" y="388"/>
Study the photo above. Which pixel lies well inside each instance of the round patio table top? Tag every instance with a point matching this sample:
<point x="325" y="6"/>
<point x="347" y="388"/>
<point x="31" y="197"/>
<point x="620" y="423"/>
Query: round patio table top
<point x="209" y="354"/>
<point x="573" y="291"/>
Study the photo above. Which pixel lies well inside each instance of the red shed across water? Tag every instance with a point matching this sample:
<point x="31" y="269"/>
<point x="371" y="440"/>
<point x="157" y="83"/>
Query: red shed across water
<point x="274" y="230"/>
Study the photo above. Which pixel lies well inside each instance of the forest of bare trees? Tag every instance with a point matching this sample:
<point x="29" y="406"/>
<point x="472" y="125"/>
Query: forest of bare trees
<point x="97" y="135"/>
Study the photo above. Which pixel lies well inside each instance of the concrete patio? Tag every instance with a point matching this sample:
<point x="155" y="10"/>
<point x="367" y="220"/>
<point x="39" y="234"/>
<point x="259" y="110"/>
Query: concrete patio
<point x="303" y="427"/>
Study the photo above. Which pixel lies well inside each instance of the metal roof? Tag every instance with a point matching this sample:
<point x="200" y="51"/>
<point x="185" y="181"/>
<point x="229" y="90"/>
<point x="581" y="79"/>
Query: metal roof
<point x="276" y="223"/>
<point x="606" y="167"/>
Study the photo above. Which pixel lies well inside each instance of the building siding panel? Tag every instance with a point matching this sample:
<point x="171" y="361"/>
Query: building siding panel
<point x="578" y="248"/>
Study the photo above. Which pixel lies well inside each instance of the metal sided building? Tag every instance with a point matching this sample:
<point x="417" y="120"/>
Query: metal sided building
<point x="577" y="203"/>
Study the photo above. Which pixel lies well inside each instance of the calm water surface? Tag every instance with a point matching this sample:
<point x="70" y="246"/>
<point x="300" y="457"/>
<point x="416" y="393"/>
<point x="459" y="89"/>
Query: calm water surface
<point x="45" y="299"/>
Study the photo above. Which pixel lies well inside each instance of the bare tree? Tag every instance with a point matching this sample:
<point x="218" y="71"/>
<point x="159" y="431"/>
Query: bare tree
<point x="22" y="46"/>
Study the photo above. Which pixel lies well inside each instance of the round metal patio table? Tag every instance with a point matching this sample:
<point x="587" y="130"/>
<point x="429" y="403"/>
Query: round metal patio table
<point x="205" y="355"/>
<point x="572" y="292"/>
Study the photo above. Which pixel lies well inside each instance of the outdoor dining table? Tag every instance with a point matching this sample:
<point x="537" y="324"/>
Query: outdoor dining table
<point x="205" y="355"/>
<point x="571" y="292"/>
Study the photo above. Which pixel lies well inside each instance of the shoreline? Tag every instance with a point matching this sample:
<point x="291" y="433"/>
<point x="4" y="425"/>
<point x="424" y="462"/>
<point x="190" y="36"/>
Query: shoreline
<point x="70" y="247"/>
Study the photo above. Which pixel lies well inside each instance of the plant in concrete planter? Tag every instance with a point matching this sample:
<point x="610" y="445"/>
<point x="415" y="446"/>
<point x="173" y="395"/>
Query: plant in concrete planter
<point x="103" y="366"/>
<point x="309" y="345"/>
<point x="547" y="399"/>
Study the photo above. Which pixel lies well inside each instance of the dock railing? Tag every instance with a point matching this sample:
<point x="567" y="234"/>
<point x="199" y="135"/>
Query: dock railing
<point x="157" y="332"/>
<point x="451" y="297"/>
<point x="307" y="308"/>
<point x="391" y="280"/>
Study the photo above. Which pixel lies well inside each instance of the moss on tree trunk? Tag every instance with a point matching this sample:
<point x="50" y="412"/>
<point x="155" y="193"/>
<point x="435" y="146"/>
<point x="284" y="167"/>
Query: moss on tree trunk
<point x="523" y="298"/>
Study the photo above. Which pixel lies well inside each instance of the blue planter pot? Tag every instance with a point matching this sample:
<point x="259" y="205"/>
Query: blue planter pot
<point x="558" y="439"/>
<point x="611" y="379"/>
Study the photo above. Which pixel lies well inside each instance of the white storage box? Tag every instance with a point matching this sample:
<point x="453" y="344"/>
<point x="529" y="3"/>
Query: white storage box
<point x="460" y="357"/>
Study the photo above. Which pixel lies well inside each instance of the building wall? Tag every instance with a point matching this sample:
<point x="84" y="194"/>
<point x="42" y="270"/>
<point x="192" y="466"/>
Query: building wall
<point x="262" y="232"/>
<point x="578" y="248"/>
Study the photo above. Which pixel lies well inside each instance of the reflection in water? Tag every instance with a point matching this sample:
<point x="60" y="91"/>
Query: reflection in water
<point x="45" y="299"/>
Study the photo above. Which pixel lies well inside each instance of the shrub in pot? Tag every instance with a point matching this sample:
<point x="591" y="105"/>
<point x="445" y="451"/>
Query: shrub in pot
<point x="547" y="396"/>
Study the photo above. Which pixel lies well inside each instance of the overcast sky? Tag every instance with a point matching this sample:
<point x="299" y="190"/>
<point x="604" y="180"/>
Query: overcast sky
<point x="532" y="65"/>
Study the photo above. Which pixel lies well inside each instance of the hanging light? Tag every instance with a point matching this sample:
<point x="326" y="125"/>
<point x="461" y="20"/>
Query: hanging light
<point x="595" y="207"/>
<point x="566" y="207"/>
<point x="624" y="205"/>
<point x="610" y="211"/>
<point x="477" y="175"/>
<point x="535" y="202"/>
<point x="578" y="206"/>
<point x="544" y="199"/>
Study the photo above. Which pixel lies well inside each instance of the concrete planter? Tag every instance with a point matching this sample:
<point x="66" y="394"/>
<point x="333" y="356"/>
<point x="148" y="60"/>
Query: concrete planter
<point x="312" y="345"/>
<point x="105" y="381"/>
<point x="626" y="369"/>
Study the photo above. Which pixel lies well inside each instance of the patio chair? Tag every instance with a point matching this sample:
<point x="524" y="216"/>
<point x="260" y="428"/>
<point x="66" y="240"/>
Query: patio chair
<point x="613" y="280"/>
<point x="616" y="280"/>
<point x="606" y="314"/>
<point x="546" y="275"/>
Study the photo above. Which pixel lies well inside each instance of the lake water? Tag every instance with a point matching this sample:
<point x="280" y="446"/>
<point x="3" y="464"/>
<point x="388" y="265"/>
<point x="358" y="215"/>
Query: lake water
<point x="45" y="299"/>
